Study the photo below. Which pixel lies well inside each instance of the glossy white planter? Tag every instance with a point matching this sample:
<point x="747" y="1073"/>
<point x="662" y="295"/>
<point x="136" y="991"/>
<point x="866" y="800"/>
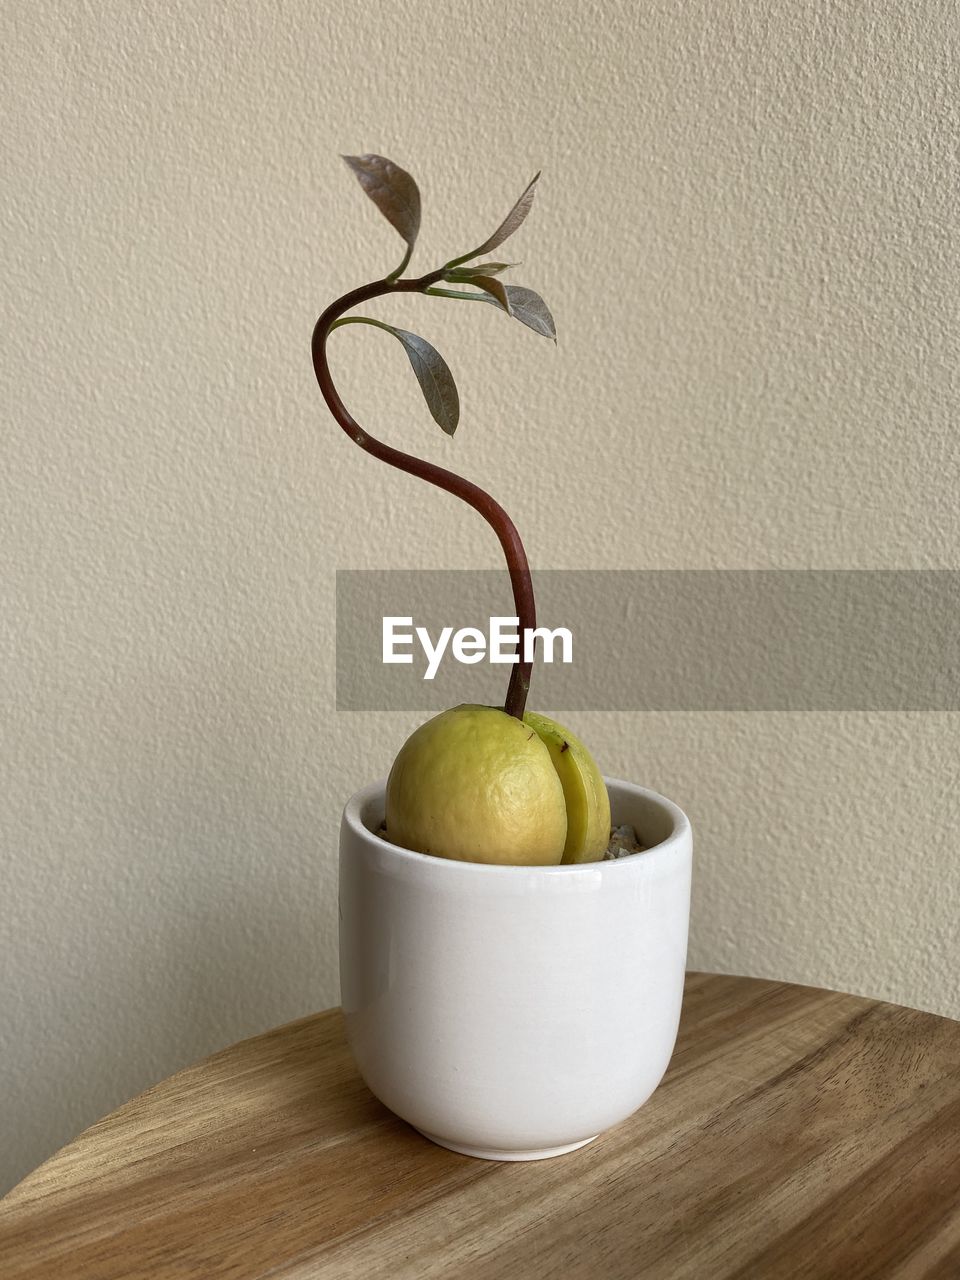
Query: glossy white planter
<point x="514" y="1013"/>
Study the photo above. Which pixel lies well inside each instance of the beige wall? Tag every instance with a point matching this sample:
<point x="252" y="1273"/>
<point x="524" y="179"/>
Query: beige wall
<point x="748" y="231"/>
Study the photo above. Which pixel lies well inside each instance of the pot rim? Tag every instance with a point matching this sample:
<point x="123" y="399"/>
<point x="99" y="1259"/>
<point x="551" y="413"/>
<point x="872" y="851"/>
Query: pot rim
<point x="678" y="838"/>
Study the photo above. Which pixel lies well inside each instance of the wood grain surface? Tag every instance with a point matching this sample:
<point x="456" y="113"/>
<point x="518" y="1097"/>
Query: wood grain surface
<point x="798" y="1133"/>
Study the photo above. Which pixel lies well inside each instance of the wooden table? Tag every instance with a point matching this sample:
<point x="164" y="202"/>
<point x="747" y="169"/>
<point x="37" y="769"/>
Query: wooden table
<point x="797" y="1133"/>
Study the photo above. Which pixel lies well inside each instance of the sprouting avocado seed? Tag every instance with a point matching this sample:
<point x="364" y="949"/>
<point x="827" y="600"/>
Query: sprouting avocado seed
<point x="475" y="783"/>
<point x="478" y="785"/>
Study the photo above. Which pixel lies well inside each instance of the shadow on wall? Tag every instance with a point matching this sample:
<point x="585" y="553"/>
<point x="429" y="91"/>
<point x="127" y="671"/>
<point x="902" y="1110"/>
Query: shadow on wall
<point x="211" y="919"/>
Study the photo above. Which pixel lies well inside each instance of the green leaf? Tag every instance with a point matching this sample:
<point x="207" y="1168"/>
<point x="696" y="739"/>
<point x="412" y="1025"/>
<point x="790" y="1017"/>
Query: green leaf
<point x="481" y="269"/>
<point x="436" y="380"/>
<point x="506" y="228"/>
<point x="393" y="191"/>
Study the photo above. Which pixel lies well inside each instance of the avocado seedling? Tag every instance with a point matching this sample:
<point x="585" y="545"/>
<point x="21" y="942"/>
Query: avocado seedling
<point x="475" y="783"/>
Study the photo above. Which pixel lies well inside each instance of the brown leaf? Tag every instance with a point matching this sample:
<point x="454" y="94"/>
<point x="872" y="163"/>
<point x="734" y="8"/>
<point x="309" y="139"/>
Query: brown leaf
<point x="496" y="288"/>
<point x="392" y="190"/>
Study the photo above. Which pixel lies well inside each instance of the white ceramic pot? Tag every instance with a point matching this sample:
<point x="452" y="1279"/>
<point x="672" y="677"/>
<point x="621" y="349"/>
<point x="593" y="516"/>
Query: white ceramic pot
<point x="514" y="1013"/>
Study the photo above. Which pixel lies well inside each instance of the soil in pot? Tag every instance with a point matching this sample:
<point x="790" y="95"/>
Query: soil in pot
<point x="623" y="841"/>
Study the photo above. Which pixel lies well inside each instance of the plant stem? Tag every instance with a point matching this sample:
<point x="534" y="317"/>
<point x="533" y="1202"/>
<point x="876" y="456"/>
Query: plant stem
<point x="403" y="265"/>
<point x="472" y="494"/>
<point x="457" y="293"/>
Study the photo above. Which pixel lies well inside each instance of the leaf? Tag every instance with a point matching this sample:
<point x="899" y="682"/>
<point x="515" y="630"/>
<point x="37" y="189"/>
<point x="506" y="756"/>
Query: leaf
<point x="433" y="374"/>
<point x="511" y="222"/>
<point x="506" y="228"/>
<point x="470" y="275"/>
<point x="495" y="288"/>
<point x="530" y="309"/>
<point x="481" y="268"/>
<point x="392" y="190"/>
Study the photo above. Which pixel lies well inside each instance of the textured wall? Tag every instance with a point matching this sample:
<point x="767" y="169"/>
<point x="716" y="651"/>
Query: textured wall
<point x="748" y="232"/>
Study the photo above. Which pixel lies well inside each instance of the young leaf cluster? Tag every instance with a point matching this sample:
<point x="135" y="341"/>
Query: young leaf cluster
<point x="397" y="196"/>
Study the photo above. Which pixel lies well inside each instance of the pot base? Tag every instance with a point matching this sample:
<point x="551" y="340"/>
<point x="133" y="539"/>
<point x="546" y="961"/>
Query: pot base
<point x="484" y="1153"/>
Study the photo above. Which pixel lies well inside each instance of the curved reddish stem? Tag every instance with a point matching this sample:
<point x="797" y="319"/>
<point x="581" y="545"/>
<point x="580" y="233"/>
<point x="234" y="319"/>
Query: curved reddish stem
<point x="477" y="498"/>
